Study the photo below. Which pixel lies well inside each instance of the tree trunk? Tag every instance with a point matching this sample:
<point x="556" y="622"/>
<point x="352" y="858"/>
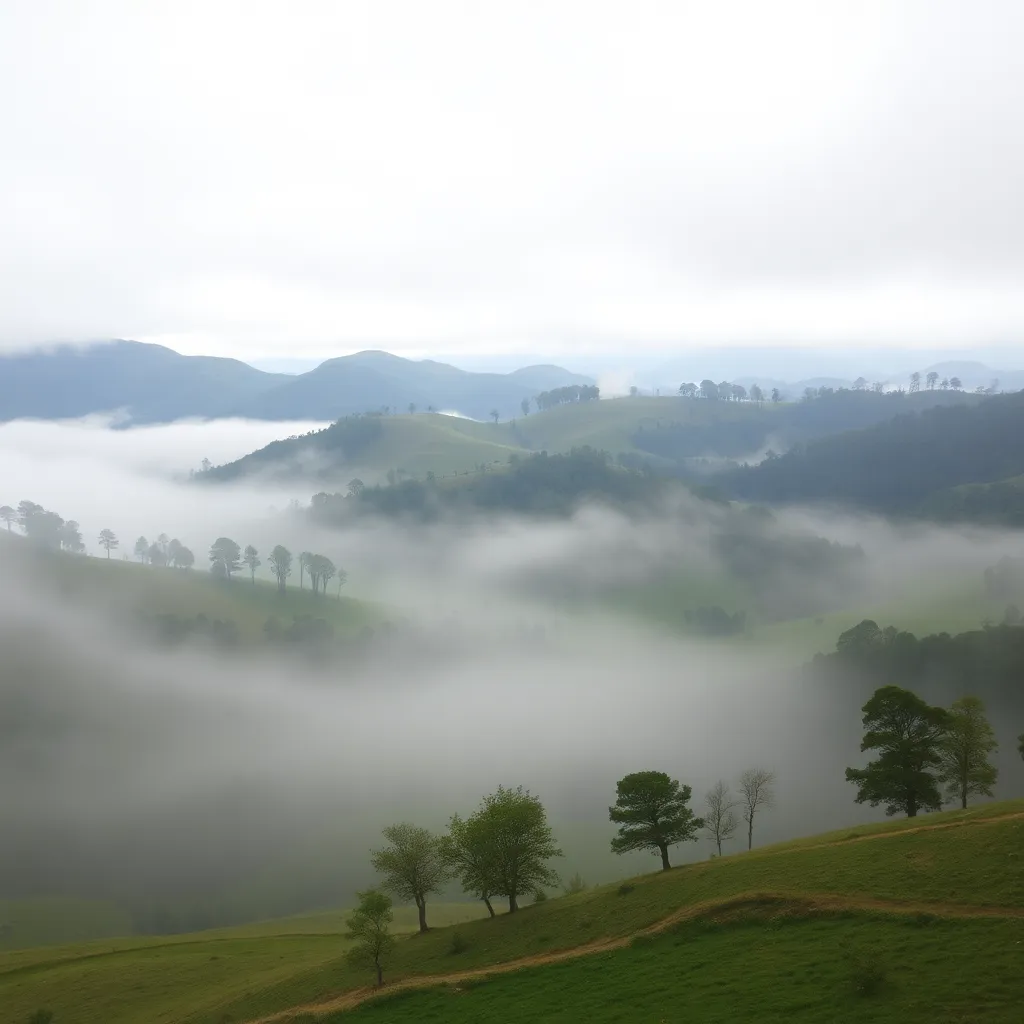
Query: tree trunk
<point x="487" y="903"/>
<point x="421" y="906"/>
<point x="750" y="832"/>
<point x="380" y="975"/>
<point x="512" y="905"/>
<point x="664" y="858"/>
<point x="963" y="799"/>
<point x="719" y="843"/>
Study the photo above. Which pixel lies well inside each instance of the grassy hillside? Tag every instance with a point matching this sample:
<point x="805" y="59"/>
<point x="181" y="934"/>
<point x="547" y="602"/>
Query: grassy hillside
<point x="903" y="910"/>
<point x="129" y="588"/>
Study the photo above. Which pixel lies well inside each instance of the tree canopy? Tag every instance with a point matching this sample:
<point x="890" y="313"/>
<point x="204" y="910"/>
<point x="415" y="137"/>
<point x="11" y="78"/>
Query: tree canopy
<point x="369" y="930"/>
<point x="650" y="810"/>
<point x="907" y="733"/>
<point x="964" y="751"/>
<point x="414" y="865"/>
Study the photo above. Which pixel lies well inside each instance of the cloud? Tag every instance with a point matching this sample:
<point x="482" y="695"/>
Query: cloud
<point x="511" y="178"/>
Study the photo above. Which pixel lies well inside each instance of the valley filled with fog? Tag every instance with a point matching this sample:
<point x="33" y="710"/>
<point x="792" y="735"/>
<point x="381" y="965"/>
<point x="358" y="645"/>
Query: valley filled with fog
<point x="196" y="783"/>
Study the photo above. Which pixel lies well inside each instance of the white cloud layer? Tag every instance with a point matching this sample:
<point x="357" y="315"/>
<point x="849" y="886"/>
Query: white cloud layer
<point x="256" y="178"/>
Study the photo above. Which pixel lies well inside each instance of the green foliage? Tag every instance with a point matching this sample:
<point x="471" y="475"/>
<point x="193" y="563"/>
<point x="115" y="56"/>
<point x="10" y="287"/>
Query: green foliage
<point x="281" y="565"/>
<point x="907" y="733"/>
<point x="650" y="810"/>
<point x="458" y="943"/>
<point x="414" y="866"/>
<point x="574" y="885"/>
<point x="370" y="934"/>
<point x="502" y="849"/>
<point x="251" y="557"/>
<point x="965" y="749"/>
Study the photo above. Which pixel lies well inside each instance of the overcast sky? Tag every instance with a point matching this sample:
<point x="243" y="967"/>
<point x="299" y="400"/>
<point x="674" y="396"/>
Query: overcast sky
<point x="313" y="178"/>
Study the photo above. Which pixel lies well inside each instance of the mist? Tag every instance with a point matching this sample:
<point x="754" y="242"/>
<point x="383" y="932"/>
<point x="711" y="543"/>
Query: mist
<point x="142" y="773"/>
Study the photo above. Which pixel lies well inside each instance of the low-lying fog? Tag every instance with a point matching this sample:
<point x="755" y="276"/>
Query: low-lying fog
<point x="151" y="774"/>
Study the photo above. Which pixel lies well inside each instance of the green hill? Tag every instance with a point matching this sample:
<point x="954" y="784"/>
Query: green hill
<point x="667" y="433"/>
<point x="918" y="920"/>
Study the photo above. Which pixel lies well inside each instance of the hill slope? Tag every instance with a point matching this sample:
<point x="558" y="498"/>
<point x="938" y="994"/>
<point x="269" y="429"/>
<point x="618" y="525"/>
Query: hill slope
<point x="923" y="918"/>
<point x="153" y="384"/>
<point x="899" y="465"/>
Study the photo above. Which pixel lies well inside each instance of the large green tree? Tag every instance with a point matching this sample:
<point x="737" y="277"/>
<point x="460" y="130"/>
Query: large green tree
<point x="414" y="866"/>
<point x="370" y="934"/>
<point x="650" y="810"/>
<point x="965" y="750"/>
<point x="469" y="849"/>
<point x="907" y="733"/>
<point x="512" y="825"/>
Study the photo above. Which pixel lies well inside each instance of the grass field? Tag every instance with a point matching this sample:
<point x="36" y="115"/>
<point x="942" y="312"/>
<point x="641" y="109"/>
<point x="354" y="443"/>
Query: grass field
<point x="929" y="912"/>
<point x="127" y="586"/>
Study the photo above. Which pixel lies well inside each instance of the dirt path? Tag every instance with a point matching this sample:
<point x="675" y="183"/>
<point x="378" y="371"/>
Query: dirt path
<point x="769" y="902"/>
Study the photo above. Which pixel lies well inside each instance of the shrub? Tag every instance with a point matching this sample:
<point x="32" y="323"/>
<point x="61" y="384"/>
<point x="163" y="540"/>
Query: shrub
<point x="458" y="944"/>
<point x="574" y="885"/>
<point x="539" y="896"/>
<point x="625" y="889"/>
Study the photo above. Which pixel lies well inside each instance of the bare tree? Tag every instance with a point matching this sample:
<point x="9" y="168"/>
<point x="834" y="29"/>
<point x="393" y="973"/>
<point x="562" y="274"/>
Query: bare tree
<point x="756" y="790"/>
<point x="720" y="818"/>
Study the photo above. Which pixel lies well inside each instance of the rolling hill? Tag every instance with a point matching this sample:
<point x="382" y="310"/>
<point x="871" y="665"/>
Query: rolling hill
<point x="911" y="921"/>
<point x="669" y="434"/>
<point x="152" y="384"/>
<point x="906" y="465"/>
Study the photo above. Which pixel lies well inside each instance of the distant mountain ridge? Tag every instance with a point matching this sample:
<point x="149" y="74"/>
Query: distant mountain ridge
<point x="151" y="384"/>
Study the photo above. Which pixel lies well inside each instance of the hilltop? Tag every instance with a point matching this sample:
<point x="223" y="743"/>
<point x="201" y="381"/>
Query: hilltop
<point x="146" y="383"/>
<point x="910" y="921"/>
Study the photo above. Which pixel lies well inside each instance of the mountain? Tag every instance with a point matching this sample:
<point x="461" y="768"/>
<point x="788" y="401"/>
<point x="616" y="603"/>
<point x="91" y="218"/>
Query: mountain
<point x="907" y="465"/>
<point x="152" y="384"/>
<point x="147" y="383"/>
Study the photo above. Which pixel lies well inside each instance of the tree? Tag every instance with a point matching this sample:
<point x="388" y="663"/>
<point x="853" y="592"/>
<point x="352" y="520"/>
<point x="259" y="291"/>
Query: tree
<point x="326" y="573"/>
<point x="494" y="415"/>
<point x="964" y="751"/>
<point x="224" y="557"/>
<point x="108" y="541"/>
<point x="708" y="389"/>
<point x="27" y="510"/>
<point x="304" y="557"/>
<point x="155" y="555"/>
<point x="915" y="382"/>
<point x="469" y="850"/>
<point x="776" y="396"/>
<point x="414" y="865"/>
<point x="860" y="384"/>
<point x="756" y="791"/>
<point x="720" y="819"/>
<point x="368" y="929"/>
<point x="931" y="379"/>
<point x="650" y="810"/>
<point x="8" y="515"/>
<point x="251" y="557"/>
<point x="525" y="406"/>
<point x="71" y="537"/>
<point x="1020" y="745"/>
<point x="907" y="733"/>
<point x="342" y="578"/>
<point x="185" y="559"/>
<point x="355" y="487"/>
<point x="281" y="565"/>
<point x="519" y="840"/>
<point x="412" y="408"/>
<point x="956" y="384"/>
<point x="141" y="549"/>
<point x="756" y="394"/>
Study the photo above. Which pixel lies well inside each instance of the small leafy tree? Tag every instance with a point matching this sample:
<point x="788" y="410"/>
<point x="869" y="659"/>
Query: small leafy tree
<point x="964" y="751"/>
<point x="224" y="557"/>
<point x="342" y="578"/>
<point x="369" y="930"/>
<point x="756" y="790"/>
<point x="907" y="734"/>
<point x="650" y="810"/>
<point x="516" y="833"/>
<point x="720" y="819"/>
<point x="414" y="865"/>
<point x="184" y="558"/>
<point x="281" y="565"/>
<point x="108" y="541"/>
<point x="141" y="549"/>
<point x="495" y="415"/>
<point x="525" y="406"/>
<point x="251" y="557"/>
<point x="8" y="515"/>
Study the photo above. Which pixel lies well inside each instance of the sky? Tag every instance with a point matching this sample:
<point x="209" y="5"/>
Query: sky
<point x="303" y="180"/>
